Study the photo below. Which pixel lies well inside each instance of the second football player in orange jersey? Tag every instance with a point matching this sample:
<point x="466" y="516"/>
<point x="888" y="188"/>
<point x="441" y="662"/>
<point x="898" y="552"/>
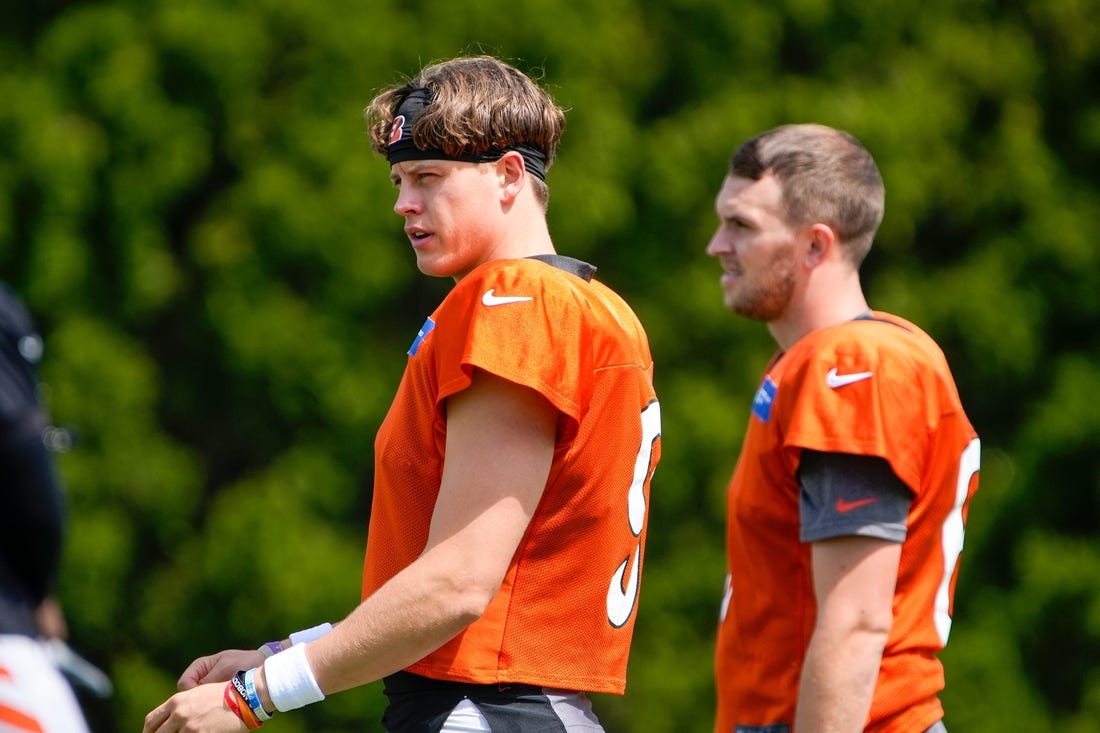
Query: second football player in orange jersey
<point x="847" y="506"/>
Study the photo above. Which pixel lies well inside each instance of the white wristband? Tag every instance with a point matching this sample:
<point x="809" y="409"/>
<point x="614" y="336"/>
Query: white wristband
<point x="311" y="634"/>
<point x="290" y="681"/>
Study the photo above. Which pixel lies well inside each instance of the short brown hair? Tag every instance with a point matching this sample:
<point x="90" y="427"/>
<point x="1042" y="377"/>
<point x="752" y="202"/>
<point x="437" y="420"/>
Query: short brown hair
<point x="825" y="174"/>
<point x="478" y="103"/>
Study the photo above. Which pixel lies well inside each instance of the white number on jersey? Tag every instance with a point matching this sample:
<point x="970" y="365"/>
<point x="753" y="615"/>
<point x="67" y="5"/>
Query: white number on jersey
<point x="622" y="599"/>
<point x="952" y="536"/>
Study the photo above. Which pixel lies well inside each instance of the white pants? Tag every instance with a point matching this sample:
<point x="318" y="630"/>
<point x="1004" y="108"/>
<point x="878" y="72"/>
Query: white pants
<point x="34" y="696"/>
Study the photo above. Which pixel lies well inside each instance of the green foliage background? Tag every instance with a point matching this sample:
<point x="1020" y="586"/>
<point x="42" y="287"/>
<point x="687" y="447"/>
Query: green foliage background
<point x="189" y="205"/>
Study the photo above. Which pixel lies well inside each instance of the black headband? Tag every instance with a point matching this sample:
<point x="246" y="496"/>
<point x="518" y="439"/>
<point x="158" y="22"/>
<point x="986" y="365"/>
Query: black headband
<point x="402" y="148"/>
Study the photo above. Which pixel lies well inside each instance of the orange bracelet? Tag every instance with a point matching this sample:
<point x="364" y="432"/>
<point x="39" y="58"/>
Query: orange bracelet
<point x="239" y="707"/>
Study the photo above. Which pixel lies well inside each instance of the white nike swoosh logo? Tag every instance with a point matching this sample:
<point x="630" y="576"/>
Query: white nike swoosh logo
<point x="491" y="300"/>
<point x="835" y="380"/>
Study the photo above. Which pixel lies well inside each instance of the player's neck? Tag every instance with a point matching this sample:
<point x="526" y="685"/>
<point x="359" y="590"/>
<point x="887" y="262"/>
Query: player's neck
<point x="819" y="308"/>
<point x="526" y="233"/>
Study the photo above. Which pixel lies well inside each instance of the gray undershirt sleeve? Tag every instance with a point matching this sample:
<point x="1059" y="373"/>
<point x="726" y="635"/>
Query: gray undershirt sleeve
<point x="851" y="495"/>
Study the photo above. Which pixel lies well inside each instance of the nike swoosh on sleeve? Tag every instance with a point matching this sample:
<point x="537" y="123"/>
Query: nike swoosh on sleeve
<point x="491" y="299"/>
<point x="844" y="507"/>
<point x="835" y="380"/>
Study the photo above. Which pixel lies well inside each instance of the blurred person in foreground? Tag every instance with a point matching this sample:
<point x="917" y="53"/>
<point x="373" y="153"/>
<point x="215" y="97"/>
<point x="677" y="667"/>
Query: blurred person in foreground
<point x="34" y="695"/>
<point x="512" y="472"/>
<point x="847" y="504"/>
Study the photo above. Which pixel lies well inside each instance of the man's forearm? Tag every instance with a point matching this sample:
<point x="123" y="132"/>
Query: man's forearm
<point x="838" y="681"/>
<point x="415" y="613"/>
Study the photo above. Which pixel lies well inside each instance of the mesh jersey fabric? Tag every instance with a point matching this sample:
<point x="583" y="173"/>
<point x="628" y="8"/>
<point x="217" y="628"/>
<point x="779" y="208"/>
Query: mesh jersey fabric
<point x="577" y="343"/>
<point x="907" y="412"/>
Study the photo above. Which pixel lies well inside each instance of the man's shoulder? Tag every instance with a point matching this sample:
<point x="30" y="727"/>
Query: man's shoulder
<point x="892" y="349"/>
<point x="506" y="281"/>
<point x="875" y="336"/>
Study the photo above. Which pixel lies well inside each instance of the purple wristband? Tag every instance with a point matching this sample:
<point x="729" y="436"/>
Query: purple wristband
<point x="271" y="648"/>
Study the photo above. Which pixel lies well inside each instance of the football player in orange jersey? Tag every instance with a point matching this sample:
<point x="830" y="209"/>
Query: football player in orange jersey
<point x="506" y="538"/>
<point x="847" y="505"/>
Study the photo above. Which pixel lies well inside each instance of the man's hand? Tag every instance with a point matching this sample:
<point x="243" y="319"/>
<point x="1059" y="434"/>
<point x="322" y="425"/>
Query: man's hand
<point x="218" y="667"/>
<point x="201" y="708"/>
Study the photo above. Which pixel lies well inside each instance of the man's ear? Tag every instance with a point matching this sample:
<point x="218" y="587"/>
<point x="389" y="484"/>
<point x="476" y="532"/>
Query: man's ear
<point x="822" y="239"/>
<point x="512" y="173"/>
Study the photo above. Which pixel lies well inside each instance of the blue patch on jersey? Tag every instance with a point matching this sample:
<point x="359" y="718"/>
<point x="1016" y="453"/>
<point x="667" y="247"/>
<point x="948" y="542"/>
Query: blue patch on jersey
<point x="765" y="396"/>
<point x="429" y="324"/>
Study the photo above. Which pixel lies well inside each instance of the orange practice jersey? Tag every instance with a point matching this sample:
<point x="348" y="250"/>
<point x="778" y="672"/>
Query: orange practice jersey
<point x="564" y="615"/>
<point x="877" y="386"/>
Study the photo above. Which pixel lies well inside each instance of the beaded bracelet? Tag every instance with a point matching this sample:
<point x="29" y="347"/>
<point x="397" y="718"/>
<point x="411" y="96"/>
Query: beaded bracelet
<point x="237" y="705"/>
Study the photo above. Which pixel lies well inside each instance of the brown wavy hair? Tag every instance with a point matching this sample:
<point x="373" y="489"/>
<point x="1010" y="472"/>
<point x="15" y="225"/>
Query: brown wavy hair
<point x="478" y="102"/>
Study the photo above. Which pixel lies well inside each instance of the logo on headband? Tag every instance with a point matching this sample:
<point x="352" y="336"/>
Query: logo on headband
<point x="397" y="129"/>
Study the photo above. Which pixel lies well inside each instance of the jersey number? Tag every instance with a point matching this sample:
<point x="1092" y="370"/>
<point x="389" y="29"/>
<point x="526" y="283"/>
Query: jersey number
<point x="952" y="537"/>
<point x="622" y="597"/>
